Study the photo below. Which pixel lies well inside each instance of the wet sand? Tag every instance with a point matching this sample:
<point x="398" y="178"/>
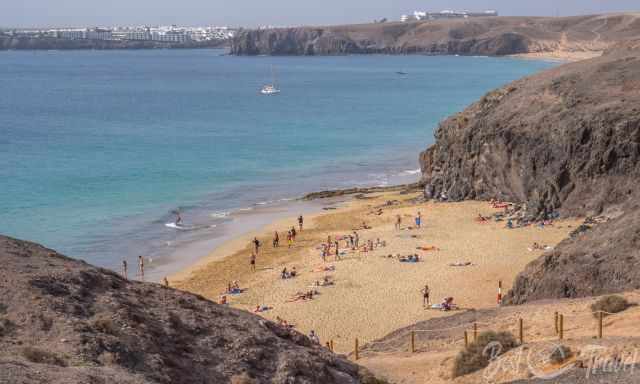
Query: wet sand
<point x="373" y="294"/>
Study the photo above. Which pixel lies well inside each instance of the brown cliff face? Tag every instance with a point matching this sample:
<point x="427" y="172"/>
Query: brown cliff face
<point x="64" y="321"/>
<point x="566" y="140"/>
<point x="475" y="36"/>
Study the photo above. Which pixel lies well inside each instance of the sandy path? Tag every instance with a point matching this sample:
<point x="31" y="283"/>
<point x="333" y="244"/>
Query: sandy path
<point x="374" y="295"/>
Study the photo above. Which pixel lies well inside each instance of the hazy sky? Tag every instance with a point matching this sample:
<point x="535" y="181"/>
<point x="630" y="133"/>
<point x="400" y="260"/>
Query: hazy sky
<point x="21" y="13"/>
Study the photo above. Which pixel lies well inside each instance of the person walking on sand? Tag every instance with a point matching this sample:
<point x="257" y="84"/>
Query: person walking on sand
<point x="289" y="239"/>
<point x="356" y="239"/>
<point x="418" y="220"/>
<point x="398" y="222"/>
<point x="252" y="262"/>
<point x="300" y="222"/>
<point x="337" y="250"/>
<point x="276" y="240"/>
<point x="293" y="233"/>
<point x="256" y="244"/>
<point x="425" y="296"/>
<point x="141" y="267"/>
<point x="124" y="269"/>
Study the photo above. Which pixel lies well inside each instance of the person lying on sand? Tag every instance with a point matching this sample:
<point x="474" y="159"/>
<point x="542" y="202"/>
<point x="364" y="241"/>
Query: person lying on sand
<point x="460" y="264"/>
<point x="303" y="296"/>
<point x="261" y="308"/>
<point x="233" y="288"/>
<point x="428" y="248"/>
<point x="325" y="268"/>
<point x="446" y="305"/>
<point x="223" y="300"/>
<point x="410" y="259"/>
<point x="481" y="219"/>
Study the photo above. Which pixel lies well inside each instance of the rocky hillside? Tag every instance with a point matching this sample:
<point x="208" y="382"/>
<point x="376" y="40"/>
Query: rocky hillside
<point x="566" y="140"/>
<point x="476" y="36"/>
<point x="64" y="321"/>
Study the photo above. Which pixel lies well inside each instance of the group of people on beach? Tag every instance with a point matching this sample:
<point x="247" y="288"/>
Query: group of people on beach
<point x="291" y="238"/>
<point x="417" y="220"/>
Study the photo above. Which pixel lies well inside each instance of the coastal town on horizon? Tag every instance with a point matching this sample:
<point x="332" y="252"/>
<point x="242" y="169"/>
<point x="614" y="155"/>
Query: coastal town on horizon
<point x="183" y="34"/>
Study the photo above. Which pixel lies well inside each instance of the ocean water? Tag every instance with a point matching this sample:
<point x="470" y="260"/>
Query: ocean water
<point x="97" y="149"/>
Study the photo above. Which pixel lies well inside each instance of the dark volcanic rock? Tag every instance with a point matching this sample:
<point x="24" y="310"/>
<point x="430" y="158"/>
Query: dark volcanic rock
<point x="475" y="36"/>
<point x="64" y="321"/>
<point x="565" y="140"/>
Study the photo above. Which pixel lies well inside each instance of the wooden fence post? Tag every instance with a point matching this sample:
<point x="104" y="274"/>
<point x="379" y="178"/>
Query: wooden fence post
<point x="600" y="316"/>
<point x="475" y="331"/>
<point x="521" y="330"/>
<point x="466" y="338"/>
<point x="561" y="326"/>
<point x="357" y="354"/>
<point x="413" y="341"/>
<point x="555" y="321"/>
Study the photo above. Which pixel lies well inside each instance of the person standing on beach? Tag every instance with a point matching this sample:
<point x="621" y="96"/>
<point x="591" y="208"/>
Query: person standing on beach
<point x="289" y="239"/>
<point x="166" y="282"/>
<point x="293" y="233"/>
<point x="256" y="244"/>
<point x="124" y="269"/>
<point x="141" y="267"/>
<point x="356" y="238"/>
<point x="276" y="240"/>
<point x="398" y="222"/>
<point x="418" y="220"/>
<point x="337" y="250"/>
<point x="300" y="222"/>
<point x="252" y="262"/>
<point x="425" y="296"/>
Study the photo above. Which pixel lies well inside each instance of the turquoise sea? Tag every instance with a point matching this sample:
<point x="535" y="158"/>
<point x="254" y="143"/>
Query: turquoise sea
<point x="98" y="148"/>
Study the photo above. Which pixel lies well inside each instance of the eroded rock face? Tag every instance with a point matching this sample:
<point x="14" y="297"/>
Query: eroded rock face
<point x="475" y="36"/>
<point x="64" y="321"/>
<point x="567" y="139"/>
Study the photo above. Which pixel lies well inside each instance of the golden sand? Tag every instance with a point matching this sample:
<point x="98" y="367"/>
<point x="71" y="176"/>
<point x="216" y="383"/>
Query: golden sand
<point x="374" y="295"/>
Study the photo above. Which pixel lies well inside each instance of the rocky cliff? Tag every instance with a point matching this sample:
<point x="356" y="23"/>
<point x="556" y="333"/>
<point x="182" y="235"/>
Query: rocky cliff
<point x="568" y="141"/>
<point x="64" y="321"/>
<point x="475" y="36"/>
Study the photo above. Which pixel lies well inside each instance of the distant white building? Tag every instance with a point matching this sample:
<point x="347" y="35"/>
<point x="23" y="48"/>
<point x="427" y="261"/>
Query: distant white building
<point x="446" y="14"/>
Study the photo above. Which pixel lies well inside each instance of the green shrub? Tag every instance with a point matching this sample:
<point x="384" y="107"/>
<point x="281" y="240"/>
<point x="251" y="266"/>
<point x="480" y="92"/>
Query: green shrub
<point x="560" y="354"/>
<point x="478" y="354"/>
<point x="610" y="304"/>
<point x="36" y="355"/>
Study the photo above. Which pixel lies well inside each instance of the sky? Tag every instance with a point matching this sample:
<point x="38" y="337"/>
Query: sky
<point x="251" y="13"/>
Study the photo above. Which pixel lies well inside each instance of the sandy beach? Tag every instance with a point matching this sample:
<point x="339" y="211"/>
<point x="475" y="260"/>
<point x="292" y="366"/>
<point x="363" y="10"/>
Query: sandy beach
<point x="374" y="294"/>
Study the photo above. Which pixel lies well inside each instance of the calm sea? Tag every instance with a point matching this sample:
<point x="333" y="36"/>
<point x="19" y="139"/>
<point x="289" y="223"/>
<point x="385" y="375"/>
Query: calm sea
<point x="98" y="148"/>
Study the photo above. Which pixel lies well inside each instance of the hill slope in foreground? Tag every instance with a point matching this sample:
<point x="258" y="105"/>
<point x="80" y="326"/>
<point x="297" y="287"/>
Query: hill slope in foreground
<point x="475" y="36"/>
<point x="64" y="321"/>
<point x="563" y="141"/>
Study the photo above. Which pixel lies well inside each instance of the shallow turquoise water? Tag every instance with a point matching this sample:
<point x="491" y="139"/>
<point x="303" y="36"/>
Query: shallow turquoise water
<point x="102" y="146"/>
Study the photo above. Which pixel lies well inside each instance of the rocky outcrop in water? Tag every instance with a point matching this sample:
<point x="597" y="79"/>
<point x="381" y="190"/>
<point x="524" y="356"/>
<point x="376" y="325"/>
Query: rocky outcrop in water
<point x="64" y="321"/>
<point x="475" y="36"/>
<point x="568" y="141"/>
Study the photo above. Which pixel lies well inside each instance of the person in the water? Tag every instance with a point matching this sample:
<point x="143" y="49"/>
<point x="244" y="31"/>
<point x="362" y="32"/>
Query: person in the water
<point x="178" y="218"/>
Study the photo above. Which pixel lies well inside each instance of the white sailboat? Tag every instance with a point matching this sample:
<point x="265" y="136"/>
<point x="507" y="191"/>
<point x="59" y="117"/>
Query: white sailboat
<point x="270" y="89"/>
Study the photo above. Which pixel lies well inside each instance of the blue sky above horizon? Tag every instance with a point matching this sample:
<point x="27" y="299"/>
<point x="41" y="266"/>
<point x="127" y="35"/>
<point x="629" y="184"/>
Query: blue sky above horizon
<point x="251" y="13"/>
